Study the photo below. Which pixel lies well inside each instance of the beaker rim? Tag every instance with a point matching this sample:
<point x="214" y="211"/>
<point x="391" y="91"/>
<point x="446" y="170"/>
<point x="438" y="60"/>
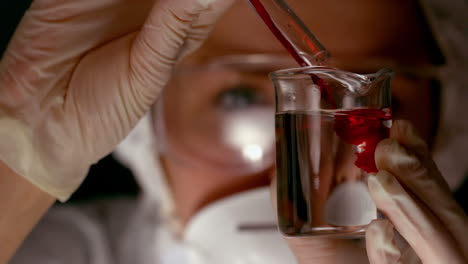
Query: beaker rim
<point x="301" y="72"/>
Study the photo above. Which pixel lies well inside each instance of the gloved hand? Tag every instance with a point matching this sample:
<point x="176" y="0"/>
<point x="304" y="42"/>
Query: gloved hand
<point x="414" y="196"/>
<point x="412" y="193"/>
<point x="78" y="75"/>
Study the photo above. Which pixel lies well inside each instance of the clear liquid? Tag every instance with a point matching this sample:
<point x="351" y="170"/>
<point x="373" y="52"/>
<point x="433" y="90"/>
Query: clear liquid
<point x="323" y="160"/>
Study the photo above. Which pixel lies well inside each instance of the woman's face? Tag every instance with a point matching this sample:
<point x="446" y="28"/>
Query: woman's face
<point x="362" y="36"/>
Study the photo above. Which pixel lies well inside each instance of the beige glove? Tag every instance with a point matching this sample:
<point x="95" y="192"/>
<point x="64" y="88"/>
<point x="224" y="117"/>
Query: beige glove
<point x="78" y="75"/>
<point x="413" y="194"/>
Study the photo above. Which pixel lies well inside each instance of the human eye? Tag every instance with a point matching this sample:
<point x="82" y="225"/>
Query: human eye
<point x="239" y="96"/>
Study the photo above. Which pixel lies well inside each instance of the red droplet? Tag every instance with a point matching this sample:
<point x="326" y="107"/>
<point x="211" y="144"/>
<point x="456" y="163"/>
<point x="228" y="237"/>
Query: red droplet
<point x="363" y="128"/>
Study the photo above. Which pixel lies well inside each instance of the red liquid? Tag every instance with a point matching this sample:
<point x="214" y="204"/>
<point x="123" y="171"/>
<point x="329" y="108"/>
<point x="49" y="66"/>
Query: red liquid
<point x="324" y="88"/>
<point x="322" y="184"/>
<point x="363" y="127"/>
<point x="275" y="30"/>
<point x="322" y="157"/>
<point x="350" y="127"/>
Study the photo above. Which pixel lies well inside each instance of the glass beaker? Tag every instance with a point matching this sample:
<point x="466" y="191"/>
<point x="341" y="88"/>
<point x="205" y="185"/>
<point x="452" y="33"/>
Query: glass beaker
<point x="328" y="124"/>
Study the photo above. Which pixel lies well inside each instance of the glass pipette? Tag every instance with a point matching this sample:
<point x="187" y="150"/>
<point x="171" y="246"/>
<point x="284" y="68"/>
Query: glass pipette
<point x="293" y="34"/>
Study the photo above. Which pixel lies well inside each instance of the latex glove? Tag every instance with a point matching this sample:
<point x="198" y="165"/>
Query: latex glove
<point x="78" y="75"/>
<point x="412" y="193"/>
<point x="421" y="208"/>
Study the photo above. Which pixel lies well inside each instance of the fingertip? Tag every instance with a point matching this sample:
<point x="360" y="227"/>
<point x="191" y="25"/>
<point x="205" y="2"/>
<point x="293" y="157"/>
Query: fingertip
<point x="383" y="188"/>
<point x="379" y="227"/>
<point x="405" y="133"/>
<point x="381" y="180"/>
<point x="385" y="146"/>
<point x="380" y="243"/>
<point x="390" y="155"/>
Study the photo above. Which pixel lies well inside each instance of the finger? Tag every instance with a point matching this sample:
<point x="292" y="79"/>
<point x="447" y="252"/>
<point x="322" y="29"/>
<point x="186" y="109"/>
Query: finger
<point x="164" y="38"/>
<point x="425" y="234"/>
<point x="405" y="134"/>
<point x="418" y="173"/>
<point x="204" y="25"/>
<point x="409" y="256"/>
<point x="380" y="243"/>
<point x="54" y="35"/>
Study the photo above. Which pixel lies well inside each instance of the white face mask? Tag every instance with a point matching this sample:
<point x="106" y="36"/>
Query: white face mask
<point x="221" y="232"/>
<point x="240" y="229"/>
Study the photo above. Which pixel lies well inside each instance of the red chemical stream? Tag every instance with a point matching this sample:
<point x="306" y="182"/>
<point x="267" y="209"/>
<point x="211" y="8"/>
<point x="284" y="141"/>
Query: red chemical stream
<point x="363" y="127"/>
